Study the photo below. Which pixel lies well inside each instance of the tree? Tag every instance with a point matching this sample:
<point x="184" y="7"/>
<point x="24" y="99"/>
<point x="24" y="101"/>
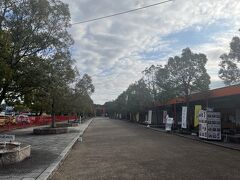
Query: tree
<point x="30" y="29"/>
<point x="150" y="79"/>
<point x="188" y="74"/>
<point x="132" y="101"/>
<point x="84" y="86"/>
<point x="230" y="64"/>
<point x="139" y="97"/>
<point x="165" y="88"/>
<point x="80" y="100"/>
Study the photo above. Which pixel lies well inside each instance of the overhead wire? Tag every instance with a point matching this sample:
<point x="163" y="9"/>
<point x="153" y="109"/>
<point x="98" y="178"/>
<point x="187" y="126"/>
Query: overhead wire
<point x="120" y="13"/>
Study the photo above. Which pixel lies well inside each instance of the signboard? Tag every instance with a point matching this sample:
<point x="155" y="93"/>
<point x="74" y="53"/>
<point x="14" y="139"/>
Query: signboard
<point x="150" y="117"/>
<point x="202" y="124"/>
<point x="210" y="125"/>
<point x="7" y="138"/>
<point x="214" y="125"/>
<point x="164" y="117"/>
<point x="196" y="113"/>
<point x="168" y="126"/>
<point x="9" y="108"/>
<point x="184" y="117"/>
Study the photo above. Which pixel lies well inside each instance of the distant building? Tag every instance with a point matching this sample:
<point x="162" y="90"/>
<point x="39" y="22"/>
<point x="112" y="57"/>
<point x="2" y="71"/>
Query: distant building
<point x="100" y="110"/>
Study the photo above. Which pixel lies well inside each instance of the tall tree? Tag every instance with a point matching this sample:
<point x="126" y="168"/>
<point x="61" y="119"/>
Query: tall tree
<point x="139" y="97"/>
<point x="150" y="79"/>
<point x="165" y="87"/>
<point x="80" y="100"/>
<point x="188" y="74"/>
<point x="30" y="29"/>
<point x="85" y="86"/>
<point x="230" y="64"/>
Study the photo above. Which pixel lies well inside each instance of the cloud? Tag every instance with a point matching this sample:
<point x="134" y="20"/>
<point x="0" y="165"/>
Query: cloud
<point x="115" y="51"/>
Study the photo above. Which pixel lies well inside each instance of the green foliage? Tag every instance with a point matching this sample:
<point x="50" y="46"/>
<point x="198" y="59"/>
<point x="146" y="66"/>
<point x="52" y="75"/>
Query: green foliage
<point x="81" y="102"/>
<point x="139" y="97"/>
<point x="36" y="69"/>
<point x="230" y="64"/>
<point x="165" y="88"/>
<point x="187" y="73"/>
<point x="84" y="85"/>
<point x="150" y="79"/>
<point x="135" y="99"/>
<point x="30" y="29"/>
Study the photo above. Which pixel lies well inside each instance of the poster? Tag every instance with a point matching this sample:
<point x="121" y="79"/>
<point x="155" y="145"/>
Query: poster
<point x="202" y="124"/>
<point x="164" y="117"/>
<point x="169" y="122"/>
<point x="214" y="125"/>
<point x="210" y="125"/>
<point x="196" y="113"/>
<point x="184" y="117"/>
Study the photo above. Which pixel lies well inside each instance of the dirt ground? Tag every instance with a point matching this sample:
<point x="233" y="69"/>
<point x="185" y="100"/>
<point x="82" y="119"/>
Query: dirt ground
<point x="114" y="149"/>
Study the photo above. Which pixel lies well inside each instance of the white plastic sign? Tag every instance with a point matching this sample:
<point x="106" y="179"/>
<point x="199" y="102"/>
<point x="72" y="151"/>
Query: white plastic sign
<point x="7" y="138"/>
<point x="169" y="123"/>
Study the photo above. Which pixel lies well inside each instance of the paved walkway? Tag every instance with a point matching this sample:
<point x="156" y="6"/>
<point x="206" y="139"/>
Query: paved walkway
<point x="114" y="149"/>
<point x="45" y="151"/>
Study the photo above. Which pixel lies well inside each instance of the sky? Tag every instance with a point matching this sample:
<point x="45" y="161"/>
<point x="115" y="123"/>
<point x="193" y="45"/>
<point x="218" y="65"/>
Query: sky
<point x="115" y="51"/>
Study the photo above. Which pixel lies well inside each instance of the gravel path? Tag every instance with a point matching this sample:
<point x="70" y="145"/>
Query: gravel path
<point x="113" y="149"/>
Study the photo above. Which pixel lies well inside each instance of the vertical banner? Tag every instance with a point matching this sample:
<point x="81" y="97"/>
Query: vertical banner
<point x="150" y="117"/>
<point x="196" y="114"/>
<point x="164" y="117"/>
<point x="137" y="117"/>
<point x="184" y="117"/>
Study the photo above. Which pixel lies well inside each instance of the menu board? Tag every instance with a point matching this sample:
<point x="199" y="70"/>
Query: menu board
<point x="210" y="125"/>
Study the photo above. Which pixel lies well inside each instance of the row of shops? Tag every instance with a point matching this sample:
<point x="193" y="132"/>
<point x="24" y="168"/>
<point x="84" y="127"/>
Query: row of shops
<point x="224" y="100"/>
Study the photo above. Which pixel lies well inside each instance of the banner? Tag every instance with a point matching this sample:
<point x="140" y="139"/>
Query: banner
<point x="184" y="117"/>
<point x="150" y="117"/>
<point x="164" y="117"/>
<point x="196" y="113"/>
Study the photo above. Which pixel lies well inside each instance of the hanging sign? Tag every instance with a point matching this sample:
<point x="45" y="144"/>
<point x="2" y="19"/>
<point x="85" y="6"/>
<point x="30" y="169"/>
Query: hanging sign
<point x="150" y="117"/>
<point x="164" y="117"/>
<point x="196" y="113"/>
<point x="184" y="117"/>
